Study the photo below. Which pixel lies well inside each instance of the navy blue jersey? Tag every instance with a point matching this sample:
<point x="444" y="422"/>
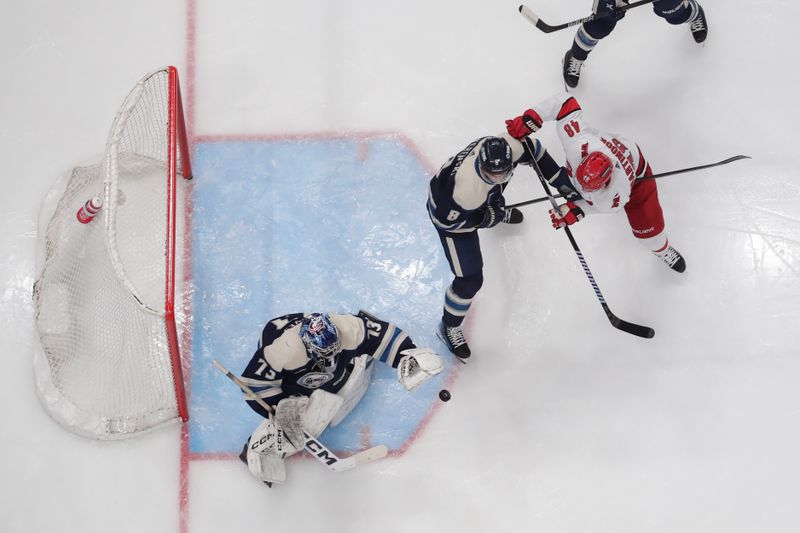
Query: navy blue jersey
<point x="281" y="366"/>
<point x="457" y="196"/>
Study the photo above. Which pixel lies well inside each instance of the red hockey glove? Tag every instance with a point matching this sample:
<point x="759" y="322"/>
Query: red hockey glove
<point x="566" y="215"/>
<point x="524" y="124"/>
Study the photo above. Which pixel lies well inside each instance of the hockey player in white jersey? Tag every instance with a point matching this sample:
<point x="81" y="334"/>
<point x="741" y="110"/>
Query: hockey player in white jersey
<point x="604" y="172"/>
<point x="313" y="369"/>
<point x="466" y="195"/>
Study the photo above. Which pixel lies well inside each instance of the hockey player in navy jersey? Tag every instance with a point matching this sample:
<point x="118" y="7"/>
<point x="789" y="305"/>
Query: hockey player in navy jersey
<point x="675" y="12"/>
<point x="313" y="369"/>
<point x="467" y="195"/>
<point x="603" y="176"/>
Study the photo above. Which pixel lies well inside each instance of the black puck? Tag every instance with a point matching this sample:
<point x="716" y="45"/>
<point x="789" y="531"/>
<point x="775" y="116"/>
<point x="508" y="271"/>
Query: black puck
<point x="444" y="395"/>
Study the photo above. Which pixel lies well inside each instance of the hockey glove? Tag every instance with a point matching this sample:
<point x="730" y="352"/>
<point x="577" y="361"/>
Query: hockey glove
<point x="609" y="8"/>
<point x="417" y="366"/>
<point x="525" y="124"/>
<point x="492" y="216"/>
<point x="566" y="215"/>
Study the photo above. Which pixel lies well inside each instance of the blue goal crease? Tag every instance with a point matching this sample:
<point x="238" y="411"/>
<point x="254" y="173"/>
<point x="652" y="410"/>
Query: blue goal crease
<point x="287" y="226"/>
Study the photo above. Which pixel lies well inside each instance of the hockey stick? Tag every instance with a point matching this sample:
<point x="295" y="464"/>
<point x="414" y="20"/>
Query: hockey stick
<point x="534" y="19"/>
<point x="654" y="176"/>
<point x="627" y="327"/>
<point x="320" y="452"/>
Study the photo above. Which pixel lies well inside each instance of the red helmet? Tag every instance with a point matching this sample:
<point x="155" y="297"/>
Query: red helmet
<point x="594" y="172"/>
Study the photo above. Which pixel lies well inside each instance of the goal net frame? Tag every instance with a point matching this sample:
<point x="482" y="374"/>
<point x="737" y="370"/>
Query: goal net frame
<point x="118" y="373"/>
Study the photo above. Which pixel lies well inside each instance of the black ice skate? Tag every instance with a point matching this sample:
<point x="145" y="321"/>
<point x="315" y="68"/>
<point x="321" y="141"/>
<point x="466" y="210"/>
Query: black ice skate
<point x="453" y="337"/>
<point x="513" y="216"/>
<point x="572" y="69"/>
<point x="672" y="258"/>
<point x="699" y="26"/>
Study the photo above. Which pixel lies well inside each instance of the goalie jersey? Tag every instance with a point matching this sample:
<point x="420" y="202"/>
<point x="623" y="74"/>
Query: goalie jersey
<point x="282" y="367"/>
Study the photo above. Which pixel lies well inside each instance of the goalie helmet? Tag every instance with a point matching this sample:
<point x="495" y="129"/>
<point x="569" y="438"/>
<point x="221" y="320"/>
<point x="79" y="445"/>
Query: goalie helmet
<point x="495" y="161"/>
<point x="594" y="171"/>
<point x="321" y="339"/>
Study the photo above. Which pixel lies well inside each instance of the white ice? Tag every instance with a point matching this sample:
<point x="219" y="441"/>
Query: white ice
<point x="561" y="423"/>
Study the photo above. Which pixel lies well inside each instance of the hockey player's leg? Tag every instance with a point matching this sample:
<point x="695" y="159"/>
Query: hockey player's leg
<point x="647" y="223"/>
<point x="457" y="301"/>
<point x="586" y="38"/>
<point x="463" y="252"/>
<point x="678" y="12"/>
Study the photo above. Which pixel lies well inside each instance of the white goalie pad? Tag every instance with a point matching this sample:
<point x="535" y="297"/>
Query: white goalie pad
<point x="322" y="407"/>
<point x="356" y="386"/>
<point x="266" y="451"/>
<point x="289" y="417"/>
<point x="417" y="366"/>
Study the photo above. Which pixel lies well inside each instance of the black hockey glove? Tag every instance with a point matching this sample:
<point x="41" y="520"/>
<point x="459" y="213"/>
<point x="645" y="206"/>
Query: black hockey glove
<point x="609" y="9"/>
<point x="493" y="213"/>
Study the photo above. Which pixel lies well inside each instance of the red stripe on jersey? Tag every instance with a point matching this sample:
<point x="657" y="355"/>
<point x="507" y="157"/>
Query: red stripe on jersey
<point x="642" y="164"/>
<point x="570" y="106"/>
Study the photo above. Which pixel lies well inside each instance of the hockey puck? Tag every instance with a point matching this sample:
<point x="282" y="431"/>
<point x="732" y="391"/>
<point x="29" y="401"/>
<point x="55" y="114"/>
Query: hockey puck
<point x="444" y="395"/>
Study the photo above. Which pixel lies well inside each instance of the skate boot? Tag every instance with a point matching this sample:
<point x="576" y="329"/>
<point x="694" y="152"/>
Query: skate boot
<point x="453" y="337"/>
<point x="699" y="26"/>
<point x="572" y="69"/>
<point x="513" y="216"/>
<point x="672" y="258"/>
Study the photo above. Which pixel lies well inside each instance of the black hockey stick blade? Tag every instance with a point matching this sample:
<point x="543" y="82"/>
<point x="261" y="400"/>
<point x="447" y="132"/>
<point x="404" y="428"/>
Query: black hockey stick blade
<point x="534" y="19"/>
<point x="629" y="327"/>
<point x="701" y="167"/>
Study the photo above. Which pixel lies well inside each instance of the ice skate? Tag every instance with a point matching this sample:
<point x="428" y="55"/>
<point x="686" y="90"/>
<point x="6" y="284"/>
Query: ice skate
<point x="672" y="258"/>
<point x="572" y="69"/>
<point x="699" y="26"/>
<point x="453" y="337"/>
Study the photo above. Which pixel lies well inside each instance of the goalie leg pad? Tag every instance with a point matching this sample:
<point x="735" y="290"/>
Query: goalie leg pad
<point x="356" y="386"/>
<point x="417" y="366"/>
<point x="266" y="467"/>
<point x="266" y="450"/>
<point x="322" y="407"/>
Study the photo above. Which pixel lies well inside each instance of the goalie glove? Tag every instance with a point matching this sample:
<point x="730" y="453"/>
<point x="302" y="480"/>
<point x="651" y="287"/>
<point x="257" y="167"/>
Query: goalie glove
<point x="566" y="215"/>
<point x="417" y="366"/>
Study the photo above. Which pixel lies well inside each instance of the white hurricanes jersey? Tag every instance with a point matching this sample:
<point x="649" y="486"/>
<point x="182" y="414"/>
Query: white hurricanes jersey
<point x="578" y="140"/>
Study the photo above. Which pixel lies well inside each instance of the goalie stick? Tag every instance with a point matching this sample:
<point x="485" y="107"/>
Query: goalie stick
<point x="319" y="451"/>
<point x="654" y="176"/>
<point x="628" y="327"/>
<point x="534" y="19"/>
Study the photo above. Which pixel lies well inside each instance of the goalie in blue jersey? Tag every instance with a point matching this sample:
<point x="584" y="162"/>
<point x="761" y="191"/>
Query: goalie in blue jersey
<point x="313" y="369"/>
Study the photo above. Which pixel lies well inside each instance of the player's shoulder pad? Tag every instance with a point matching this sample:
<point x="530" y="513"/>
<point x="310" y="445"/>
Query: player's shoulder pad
<point x="351" y="328"/>
<point x="569" y="106"/>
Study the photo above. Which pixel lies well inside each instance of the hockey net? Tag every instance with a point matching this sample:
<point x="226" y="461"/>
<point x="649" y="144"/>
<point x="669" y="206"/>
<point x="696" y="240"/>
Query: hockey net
<point x="109" y="365"/>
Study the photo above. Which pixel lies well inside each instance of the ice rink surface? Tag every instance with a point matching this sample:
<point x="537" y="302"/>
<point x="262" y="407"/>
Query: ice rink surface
<point x="560" y="423"/>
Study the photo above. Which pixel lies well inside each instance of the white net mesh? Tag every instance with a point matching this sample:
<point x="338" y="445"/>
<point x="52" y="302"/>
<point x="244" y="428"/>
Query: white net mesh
<point x="105" y="368"/>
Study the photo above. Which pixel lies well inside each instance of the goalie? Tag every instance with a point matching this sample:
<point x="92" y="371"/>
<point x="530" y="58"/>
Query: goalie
<point x="313" y="369"/>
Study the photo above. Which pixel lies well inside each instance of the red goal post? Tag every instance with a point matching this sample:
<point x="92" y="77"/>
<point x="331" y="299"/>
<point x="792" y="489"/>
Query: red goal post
<point x="109" y="362"/>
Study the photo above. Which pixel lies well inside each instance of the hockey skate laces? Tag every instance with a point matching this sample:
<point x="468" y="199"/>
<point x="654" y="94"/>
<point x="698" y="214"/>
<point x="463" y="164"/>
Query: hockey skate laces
<point x="697" y="24"/>
<point x="456" y="336"/>
<point x="574" y="66"/>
